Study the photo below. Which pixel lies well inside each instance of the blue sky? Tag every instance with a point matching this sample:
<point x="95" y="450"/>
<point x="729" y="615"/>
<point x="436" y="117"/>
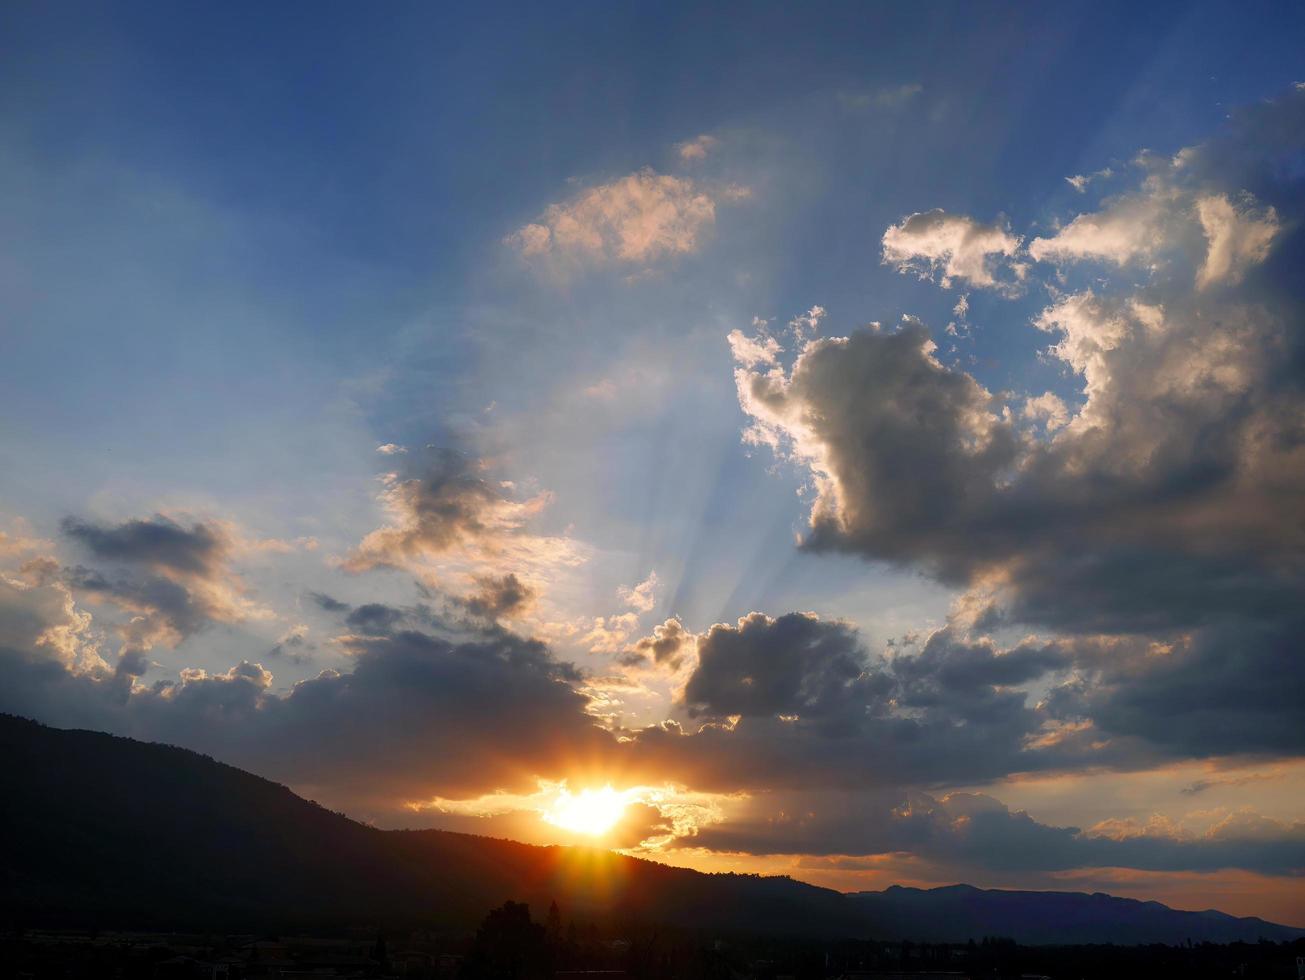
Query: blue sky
<point x="245" y="247"/>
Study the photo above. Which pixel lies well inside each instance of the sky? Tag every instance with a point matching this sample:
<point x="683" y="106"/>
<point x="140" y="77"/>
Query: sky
<point x="858" y="442"/>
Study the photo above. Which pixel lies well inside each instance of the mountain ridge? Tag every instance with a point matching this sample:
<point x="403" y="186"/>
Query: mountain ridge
<point x="119" y="831"/>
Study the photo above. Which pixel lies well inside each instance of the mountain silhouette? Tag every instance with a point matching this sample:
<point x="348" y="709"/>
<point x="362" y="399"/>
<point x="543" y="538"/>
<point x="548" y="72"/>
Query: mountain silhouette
<point x="1045" y="918"/>
<point x="107" y="831"/>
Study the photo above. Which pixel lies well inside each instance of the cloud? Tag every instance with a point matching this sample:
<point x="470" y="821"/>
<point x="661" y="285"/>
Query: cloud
<point x="499" y="597"/>
<point x="754" y="352"/>
<point x="1080" y="181"/>
<point x="668" y="644"/>
<point x="1047" y="408"/>
<point x="173" y="581"/>
<point x="968" y="833"/>
<point x="642" y="597"/>
<point x="952" y="247"/>
<point x="1132" y="228"/>
<point x="374" y="618"/>
<point x="328" y="603"/>
<point x="642" y="217"/>
<point x="1238" y="238"/>
<point x="793" y="665"/>
<point x="899" y="446"/>
<point x="158" y="543"/>
<point x="294" y="645"/>
<point x="40" y="621"/>
<point x="1156" y="522"/>
<point x="1173" y="215"/>
<point x="698" y="147"/>
<point x="796" y="703"/>
<point x="448" y="515"/>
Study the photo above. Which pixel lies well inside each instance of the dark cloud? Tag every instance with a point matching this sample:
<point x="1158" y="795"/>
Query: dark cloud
<point x="499" y="597"/>
<point x="793" y="665"/>
<point x="797" y="702"/>
<point x="156" y="542"/>
<point x="1235" y="688"/>
<point x="161" y="610"/>
<point x="1163" y="515"/>
<point x="374" y="617"/>
<point x="972" y="832"/>
<point x="294" y="646"/>
<point x="171" y="581"/>
<point x="328" y="603"/>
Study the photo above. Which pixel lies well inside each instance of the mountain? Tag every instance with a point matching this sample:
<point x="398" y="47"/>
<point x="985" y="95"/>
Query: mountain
<point x="102" y="830"/>
<point x="107" y="830"/>
<point x="958" y="912"/>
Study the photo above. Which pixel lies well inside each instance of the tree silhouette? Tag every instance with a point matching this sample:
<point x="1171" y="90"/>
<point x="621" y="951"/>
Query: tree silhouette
<point x="509" y="945"/>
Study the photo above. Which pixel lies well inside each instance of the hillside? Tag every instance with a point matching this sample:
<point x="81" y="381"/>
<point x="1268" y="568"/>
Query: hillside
<point x="113" y="832"/>
<point x="116" y="831"/>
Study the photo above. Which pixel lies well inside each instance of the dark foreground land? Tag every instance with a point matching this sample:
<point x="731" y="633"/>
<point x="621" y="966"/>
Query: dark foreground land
<point x="510" y="944"/>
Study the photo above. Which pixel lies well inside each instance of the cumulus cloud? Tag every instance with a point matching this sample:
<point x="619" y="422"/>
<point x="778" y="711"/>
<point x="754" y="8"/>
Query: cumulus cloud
<point x="794" y="665"/>
<point x="642" y="217"/>
<point x="1157" y="518"/>
<point x="40" y="621"/>
<point x="172" y="580"/>
<point x="668" y="644"/>
<point x="952" y="247"/>
<point x="797" y="703"/>
<point x="1171" y="216"/>
<point x="899" y="446"/>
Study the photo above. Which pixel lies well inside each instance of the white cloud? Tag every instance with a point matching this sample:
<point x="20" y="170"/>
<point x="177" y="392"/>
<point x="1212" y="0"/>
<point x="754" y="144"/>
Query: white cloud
<point x="698" y="147"/>
<point x="1048" y="409"/>
<point x="1131" y="228"/>
<point x="951" y="246"/>
<point x="1080" y="181"/>
<point x="639" y="218"/>
<point x="1238" y="237"/>
<point x="753" y="351"/>
<point x="642" y="596"/>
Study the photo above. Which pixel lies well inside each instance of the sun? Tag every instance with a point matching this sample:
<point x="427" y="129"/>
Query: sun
<point x="591" y="811"/>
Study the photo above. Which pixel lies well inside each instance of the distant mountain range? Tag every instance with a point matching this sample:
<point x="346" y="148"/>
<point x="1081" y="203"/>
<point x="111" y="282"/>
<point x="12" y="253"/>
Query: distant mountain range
<point x="1047" y="918"/>
<point x="101" y="830"/>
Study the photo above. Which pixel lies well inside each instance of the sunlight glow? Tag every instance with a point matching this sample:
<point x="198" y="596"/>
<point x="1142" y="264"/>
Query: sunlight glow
<point x="591" y="811"/>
